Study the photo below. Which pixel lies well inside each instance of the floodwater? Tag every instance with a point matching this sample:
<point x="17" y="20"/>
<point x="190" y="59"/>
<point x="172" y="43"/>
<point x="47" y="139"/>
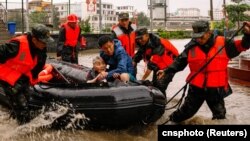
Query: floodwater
<point x="237" y="106"/>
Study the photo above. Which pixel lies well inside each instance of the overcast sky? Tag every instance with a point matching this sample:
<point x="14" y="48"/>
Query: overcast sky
<point x="141" y="5"/>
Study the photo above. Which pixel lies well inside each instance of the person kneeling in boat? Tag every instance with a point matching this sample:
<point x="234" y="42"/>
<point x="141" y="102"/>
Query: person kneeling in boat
<point x="21" y="61"/>
<point x="98" y="67"/>
<point x="119" y="63"/>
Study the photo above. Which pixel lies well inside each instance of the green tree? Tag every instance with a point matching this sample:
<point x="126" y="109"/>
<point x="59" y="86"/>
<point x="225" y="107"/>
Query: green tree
<point x="236" y="13"/>
<point x="56" y="20"/>
<point x="39" y="17"/>
<point x="85" y="25"/>
<point x="221" y="25"/>
<point x="143" y="20"/>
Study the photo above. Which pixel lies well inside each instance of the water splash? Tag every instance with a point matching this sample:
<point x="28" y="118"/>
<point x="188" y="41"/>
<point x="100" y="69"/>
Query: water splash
<point x="45" y="119"/>
<point x="77" y="121"/>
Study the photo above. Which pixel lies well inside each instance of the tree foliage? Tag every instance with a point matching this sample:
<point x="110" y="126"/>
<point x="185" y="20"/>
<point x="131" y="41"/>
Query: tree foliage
<point x="143" y="20"/>
<point x="236" y="13"/>
<point x="85" y="25"/>
<point x="56" y="20"/>
<point x="220" y="25"/>
<point x="39" y="17"/>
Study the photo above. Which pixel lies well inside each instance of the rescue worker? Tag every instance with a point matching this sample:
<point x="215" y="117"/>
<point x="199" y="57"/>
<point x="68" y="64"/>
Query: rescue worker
<point x="119" y="63"/>
<point x="125" y="32"/>
<point x="211" y="84"/>
<point x="158" y="53"/>
<point x="21" y="61"/>
<point x="69" y="36"/>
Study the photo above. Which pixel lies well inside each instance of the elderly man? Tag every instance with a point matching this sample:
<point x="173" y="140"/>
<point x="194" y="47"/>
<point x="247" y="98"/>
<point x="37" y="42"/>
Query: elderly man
<point x="210" y="84"/>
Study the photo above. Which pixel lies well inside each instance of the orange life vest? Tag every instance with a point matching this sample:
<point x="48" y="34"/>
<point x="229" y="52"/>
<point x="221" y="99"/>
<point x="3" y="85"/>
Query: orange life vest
<point x="46" y="74"/>
<point x="71" y="35"/>
<point x="128" y="41"/>
<point x="215" y="74"/>
<point x="22" y="63"/>
<point x="166" y="58"/>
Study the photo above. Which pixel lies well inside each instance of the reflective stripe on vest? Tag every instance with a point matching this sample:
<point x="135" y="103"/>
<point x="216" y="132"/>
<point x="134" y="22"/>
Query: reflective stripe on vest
<point x="128" y="41"/>
<point x="215" y="74"/>
<point x="22" y="63"/>
<point x="71" y="35"/>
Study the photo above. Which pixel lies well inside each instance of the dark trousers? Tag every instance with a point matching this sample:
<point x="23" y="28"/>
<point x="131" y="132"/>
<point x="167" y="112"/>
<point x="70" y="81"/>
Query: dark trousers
<point x="195" y="98"/>
<point x="18" y="96"/>
<point x="70" y="54"/>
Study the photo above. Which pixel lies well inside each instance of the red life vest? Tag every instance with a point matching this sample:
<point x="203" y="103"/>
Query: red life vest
<point x="22" y="63"/>
<point x="215" y="74"/>
<point x="166" y="58"/>
<point x="128" y="41"/>
<point x="71" y="35"/>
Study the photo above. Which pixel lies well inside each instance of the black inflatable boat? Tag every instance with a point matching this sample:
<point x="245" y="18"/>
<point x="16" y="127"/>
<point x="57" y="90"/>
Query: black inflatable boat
<point x="108" y="104"/>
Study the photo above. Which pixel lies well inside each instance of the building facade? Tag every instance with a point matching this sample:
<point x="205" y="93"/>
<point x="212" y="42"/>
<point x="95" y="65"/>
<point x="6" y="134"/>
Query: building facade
<point x="188" y="12"/>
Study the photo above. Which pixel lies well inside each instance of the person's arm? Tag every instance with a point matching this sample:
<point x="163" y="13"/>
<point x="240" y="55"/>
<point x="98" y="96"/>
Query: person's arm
<point x="234" y="48"/>
<point x="79" y="36"/>
<point x="8" y="50"/>
<point x="179" y="63"/>
<point x="61" y="40"/>
<point x="146" y="74"/>
<point x="122" y="64"/>
<point x="139" y="55"/>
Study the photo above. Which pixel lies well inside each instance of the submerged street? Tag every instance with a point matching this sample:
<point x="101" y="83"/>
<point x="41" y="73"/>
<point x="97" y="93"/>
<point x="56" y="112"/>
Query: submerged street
<point x="237" y="106"/>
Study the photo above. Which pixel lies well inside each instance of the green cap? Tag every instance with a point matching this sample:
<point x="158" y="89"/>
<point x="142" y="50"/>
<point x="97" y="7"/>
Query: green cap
<point x="200" y="28"/>
<point x="140" y="32"/>
<point x="123" y="16"/>
<point x="42" y="33"/>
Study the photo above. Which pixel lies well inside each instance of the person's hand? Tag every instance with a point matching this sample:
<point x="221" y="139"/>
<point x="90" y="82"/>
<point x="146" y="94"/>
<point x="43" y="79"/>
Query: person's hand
<point x="116" y="75"/>
<point x="246" y="27"/>
<point x="102" y="75"/>
<point x="160" y="74"/>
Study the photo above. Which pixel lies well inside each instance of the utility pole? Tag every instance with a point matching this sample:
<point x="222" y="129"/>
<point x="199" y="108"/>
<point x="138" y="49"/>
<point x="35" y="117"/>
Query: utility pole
<point x="52" y="14"/>
<point x="211" y="10"/>
<point x="225" y="17"/>
<point x="100" y="16"/>
<point x="6" y="11"/>
<point x="211" y="15"/>
<point x="165" y="14"/>
<point x="22" y="18"/>
<point x="151" y="16"/>
<point x="27" y="16"/>
<point x="69" y="7"/>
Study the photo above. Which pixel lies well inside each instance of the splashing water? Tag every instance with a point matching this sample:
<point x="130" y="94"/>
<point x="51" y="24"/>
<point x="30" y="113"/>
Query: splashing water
<point x="45" y="119"/>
